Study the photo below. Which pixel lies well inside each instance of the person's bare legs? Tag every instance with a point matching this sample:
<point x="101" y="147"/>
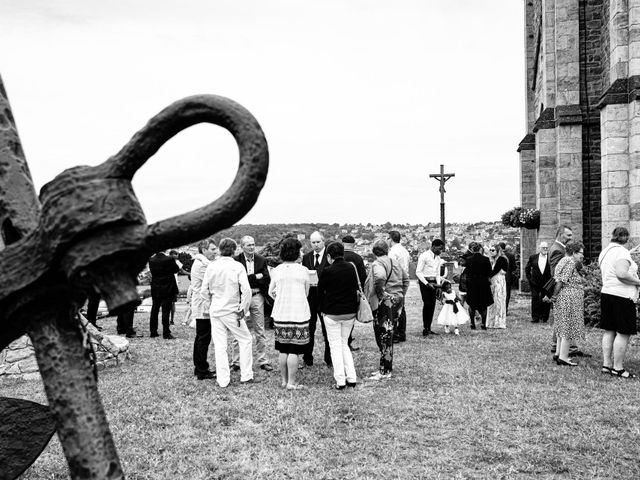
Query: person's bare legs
<point x="282" y="362"/>
<point x="607" y="348"/>
<point x="563" y="351"/>
<point x="619" y="350"/>
<point x="558" y="345"/>
<point x="292" y="366"/>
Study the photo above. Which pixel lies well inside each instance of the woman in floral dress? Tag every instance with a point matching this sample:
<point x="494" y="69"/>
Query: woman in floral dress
<point x="497" y="313"/>
<point x="568" y="300"/>
<point x="289" y="288"/>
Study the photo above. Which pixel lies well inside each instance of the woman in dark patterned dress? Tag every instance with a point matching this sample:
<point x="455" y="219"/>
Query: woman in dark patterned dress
<point x="289" y="288"/>
<point x="568" y="300"/>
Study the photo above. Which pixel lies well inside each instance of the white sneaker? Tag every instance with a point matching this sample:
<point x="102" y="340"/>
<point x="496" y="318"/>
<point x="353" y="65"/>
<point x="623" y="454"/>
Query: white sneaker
<point x="446" y="329"/>
<point x="456" y="332"/>
<point x="376" y="376"/>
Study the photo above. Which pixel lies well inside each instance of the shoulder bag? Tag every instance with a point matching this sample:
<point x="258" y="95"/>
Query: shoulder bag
<point x="364" y="315"/>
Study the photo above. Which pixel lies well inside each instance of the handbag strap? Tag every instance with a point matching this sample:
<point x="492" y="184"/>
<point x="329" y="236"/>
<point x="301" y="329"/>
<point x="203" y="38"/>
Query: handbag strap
<point x="611" y="247"/>
<point x="357" y="277"/>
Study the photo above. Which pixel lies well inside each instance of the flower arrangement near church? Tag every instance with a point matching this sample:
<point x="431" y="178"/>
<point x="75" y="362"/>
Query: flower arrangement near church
<point x="519" y="217"/>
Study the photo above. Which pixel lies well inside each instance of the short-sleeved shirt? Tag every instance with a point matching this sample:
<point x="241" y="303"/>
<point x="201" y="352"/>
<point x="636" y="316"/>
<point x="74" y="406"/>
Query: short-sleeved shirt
<point x="610" y="282"/>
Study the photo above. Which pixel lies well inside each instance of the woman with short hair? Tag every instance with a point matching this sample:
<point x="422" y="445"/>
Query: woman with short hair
<point x="338" y="301"/>
<point x="568" y="300"/>
<point x="289" y="288"/>
<point x="618" y="299"/>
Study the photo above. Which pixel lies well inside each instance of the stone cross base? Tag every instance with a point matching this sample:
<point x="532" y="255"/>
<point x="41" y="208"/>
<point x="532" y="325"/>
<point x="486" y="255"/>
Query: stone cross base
<point x="18" y="360"/>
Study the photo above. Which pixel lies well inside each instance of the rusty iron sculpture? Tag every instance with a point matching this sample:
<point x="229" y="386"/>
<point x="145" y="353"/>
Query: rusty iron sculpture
<point x="87" y="230"/>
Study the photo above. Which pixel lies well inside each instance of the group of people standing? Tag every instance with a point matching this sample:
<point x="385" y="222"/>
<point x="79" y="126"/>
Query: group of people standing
<point x="228" y="295"/>
<point x="562" y="263"/>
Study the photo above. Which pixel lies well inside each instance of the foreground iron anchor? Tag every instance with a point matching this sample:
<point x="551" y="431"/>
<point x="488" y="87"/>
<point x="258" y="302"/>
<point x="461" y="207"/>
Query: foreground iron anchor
<point x="90" y="232"/>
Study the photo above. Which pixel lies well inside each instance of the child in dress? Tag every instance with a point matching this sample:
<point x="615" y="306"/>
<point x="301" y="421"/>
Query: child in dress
<point x="452" y="313"/>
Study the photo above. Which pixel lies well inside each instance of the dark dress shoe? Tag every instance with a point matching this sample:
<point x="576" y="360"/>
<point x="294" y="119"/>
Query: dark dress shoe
<point x="433" y="333"/>
<point x="153" y="335"/>
<point x="354" y="349"/>
<point x="351" y="384"/>
<point x="473" y="326"/>
<point x="168" y="337"/>
<point x="425" y="333"/>
<point x="205" y="376"/>
<point x="235" y="368"/>
<point x="266" y="367"/>
<point x="483" y="327"/>
<point x="248" y="382"/>
<point x="133" y="335"/>
<point x="535" y="321"/>
<point x="340" y="387"/>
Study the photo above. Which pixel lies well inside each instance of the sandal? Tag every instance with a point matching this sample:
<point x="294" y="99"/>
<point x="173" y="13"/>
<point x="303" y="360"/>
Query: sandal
<point x="607" y="370"/>
<point x="565" y="363"/>
<point x="622" y="373"/>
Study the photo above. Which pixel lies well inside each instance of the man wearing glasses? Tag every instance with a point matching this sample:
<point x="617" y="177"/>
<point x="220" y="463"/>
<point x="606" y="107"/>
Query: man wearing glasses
<point x="538" y="272"/>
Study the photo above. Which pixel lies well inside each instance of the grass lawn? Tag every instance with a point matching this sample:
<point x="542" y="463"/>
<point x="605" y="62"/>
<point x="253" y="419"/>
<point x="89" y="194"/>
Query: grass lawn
<point x="487" y="404"/>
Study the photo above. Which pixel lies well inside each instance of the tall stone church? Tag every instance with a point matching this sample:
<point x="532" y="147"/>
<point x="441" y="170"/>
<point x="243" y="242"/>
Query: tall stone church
<point x="580" y="157"/>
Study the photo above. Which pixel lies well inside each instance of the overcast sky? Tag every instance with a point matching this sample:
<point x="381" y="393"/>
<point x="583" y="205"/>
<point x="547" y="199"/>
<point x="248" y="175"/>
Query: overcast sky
<point x="360" y="100"/>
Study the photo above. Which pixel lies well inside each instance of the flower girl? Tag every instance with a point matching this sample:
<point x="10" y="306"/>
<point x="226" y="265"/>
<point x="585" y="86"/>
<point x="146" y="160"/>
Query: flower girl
<point x="452" y="313"/>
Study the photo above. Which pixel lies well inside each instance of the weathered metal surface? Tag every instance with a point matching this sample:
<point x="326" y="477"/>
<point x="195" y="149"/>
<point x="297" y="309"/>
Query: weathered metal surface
<point x="23" y="439"/>
<point x="91" y="233"/>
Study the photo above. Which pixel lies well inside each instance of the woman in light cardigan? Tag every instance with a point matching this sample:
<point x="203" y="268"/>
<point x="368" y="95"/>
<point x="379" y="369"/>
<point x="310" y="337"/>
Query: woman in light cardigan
<point x="338" y="301"/>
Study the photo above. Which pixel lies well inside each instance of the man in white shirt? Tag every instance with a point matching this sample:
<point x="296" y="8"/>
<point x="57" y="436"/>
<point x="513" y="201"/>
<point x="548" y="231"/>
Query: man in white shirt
<point x="429" y="280"/>
<point x="399" y="254"/>
<point x="226" y="284"/>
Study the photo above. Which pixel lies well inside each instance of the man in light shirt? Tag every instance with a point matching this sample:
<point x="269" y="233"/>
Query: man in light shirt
<point x="226" y="284"/>
<point x="399" y="254"/>
<point x="429" y="280"/>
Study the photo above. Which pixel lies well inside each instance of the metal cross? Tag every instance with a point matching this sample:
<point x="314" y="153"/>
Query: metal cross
<point x="87" y="231"/>
<point x="442" y="178"/>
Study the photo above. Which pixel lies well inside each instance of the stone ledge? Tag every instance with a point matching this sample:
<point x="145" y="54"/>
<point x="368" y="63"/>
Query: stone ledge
<point x="527" y="143"/>
<point x="623" y="90"/>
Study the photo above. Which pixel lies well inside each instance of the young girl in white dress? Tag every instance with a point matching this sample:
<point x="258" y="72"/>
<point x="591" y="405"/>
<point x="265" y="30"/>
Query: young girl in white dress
<point x="452" y="313"/>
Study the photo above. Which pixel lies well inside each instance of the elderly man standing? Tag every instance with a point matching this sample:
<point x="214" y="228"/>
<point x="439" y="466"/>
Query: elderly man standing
<point x="316" y="260"/>
<point x="258" y="274"/>
<point x="226" y="284"/>
<point x="400" y="255"/>
<point x="207" y="252"/>
<point x="429" y="279"/>
<point x="538" y="272"/>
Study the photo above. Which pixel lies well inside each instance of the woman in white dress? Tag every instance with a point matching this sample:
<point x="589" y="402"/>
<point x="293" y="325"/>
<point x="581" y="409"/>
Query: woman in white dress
<point x="497" y="313"/>
<point x="289" y="288"/>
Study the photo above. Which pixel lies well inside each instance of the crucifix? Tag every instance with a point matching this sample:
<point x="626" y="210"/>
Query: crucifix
<point x="442" y="178"/>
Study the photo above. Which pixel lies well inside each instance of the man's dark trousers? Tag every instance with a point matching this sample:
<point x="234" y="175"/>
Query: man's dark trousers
<point x="539" y="309"/>
<point x="124" y="323"/>
<point x="313" y="321"/>
<point x="201" y="346"/>
<point x="165" y="304"/>
<point x="428" y="306"/>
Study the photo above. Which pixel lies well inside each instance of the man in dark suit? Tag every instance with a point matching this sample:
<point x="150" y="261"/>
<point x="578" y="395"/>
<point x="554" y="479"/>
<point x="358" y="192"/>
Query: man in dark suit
<point x="163" y="290"/>
<point x="511" y="272"/>
<point x="351" y="256"/>
<point x="258" y="274"/>
<point x="564" y="235"/>
<point x="538" y="272"/>
<point x="316" y="260"/>
<point x="479" y="296"/>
